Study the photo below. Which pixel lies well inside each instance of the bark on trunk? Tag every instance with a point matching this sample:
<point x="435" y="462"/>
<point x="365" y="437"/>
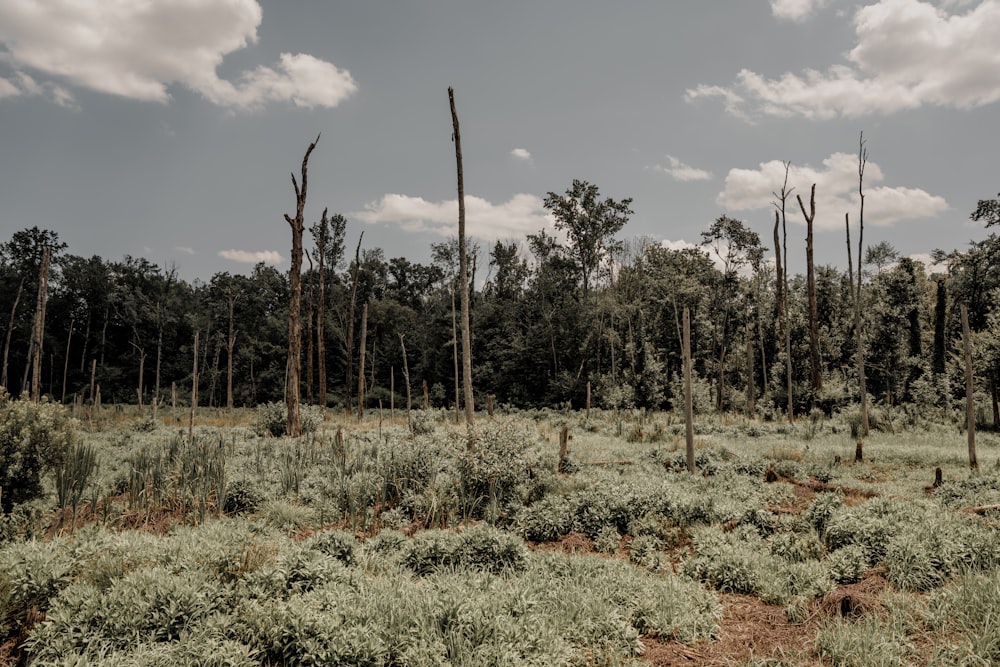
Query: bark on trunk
<point x="688" y="397"/>
<point x="361" y="362"/>
<point x="43" y="296"/>
<point x="10" y="330"/>
<point x="350" y="323"/>
<point x="970" y="399"/>
<point x="463" y="272"/>
<point x="815" y="376"/>
<point x="294" y="425"/>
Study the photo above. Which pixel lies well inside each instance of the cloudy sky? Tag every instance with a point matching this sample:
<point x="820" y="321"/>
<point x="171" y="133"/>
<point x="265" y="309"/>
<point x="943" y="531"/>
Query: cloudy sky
<point x="168" y="128"/>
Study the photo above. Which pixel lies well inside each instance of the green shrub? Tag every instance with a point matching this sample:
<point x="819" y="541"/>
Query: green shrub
<point x="481" y="548"/>
<point x="34" y="440"/>
<point x="546" y="520"/>
<point x="146" y="605"/>
<point x="797" y="547"/>
<point x="31" y="575"/>
<point x="968" y="607"/>
<point x="822" y="507"/>
<point x="272" y="419"/>
<point x="334" y="543"/>
<point x="494" y="461"/>
<point x="607" y="540"/>
<point x="242" y="497"/>
<point x="848" y="564"/>
<point x="730" y="562"/>
<point x="862" y="643"/>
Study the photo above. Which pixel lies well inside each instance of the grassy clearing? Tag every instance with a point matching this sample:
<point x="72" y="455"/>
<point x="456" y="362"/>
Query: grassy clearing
<point x="361" y="544"/>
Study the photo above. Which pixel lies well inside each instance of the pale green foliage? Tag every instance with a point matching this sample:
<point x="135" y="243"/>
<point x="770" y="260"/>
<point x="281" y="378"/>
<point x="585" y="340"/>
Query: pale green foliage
<point x="848" y="564"/>
<point x="968" y="606"/>
<point x="272" y="418"/>
<point x="34" y="439"/>
<point x="741" y="562"/>
<point x="607" y="540"/>
<point x="479" y="548"/>
<point x="30" y="575"/>
<point x="863" y="643"/>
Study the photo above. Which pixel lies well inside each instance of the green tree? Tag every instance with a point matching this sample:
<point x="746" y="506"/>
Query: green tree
<point x="590" y="224"/>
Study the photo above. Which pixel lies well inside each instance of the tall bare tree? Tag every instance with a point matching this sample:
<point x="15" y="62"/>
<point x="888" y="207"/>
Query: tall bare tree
<point x="782" y="267"/>
<point x="39" y="331"/>
<point x="815" y="376"/>
<point x="294" y="368"/>
<point x="350" y="322"/>
<point x="970" y="401"/>
<point x="10" y="330"/>
<point x="862" y="388"/>
<point x="688" y="395"/>
<point x="463" y="270"/>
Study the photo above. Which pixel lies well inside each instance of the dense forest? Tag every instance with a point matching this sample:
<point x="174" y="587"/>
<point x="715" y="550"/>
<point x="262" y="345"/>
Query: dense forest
<point x="554" y="318"/>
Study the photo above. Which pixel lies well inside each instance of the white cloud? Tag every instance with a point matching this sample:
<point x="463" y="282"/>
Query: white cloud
<point x="795" y="10"/>
<point x="184" y="249"/>
<point x="836" y="193"/>
<point x="521" y="154"/>
<point x="8" y="89"/>
<point x="908" y="54"/>
<point x="252" y="257"/>
<point x="682" y="172"/>
<point x="522" y="214"/>
<point x="138" y="49"/>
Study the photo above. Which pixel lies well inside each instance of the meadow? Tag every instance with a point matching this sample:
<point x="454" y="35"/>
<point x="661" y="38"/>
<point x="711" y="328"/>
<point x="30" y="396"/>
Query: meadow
<point x="366" y="544"/>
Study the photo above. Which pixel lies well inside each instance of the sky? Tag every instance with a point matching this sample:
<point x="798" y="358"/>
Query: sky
<point x="168" y="129"/>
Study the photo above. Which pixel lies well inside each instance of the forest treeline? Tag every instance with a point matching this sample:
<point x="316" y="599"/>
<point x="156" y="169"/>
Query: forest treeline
<point x="551" y="317"/>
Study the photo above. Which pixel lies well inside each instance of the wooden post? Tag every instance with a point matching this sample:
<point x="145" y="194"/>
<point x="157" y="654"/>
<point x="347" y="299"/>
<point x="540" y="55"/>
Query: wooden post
<point x="93" y="376"/>
<point x="392" y="393"/>
<point x="489" y="404"/>
<point x="427" y="397"/>
<point x="970" y="399"/>
<point x="688" y="397"/>
<point x="563" y="448"/>
<point x="588" y="399"/>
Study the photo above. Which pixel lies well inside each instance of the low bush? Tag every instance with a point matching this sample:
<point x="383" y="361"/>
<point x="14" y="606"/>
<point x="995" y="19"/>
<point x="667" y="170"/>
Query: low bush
<point x="35" y="438"/>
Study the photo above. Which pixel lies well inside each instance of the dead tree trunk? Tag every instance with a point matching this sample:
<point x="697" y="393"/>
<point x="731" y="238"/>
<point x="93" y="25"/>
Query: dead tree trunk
<point x="970" y="399"/>
<point x="751" y="398"/>
<point x="782" y="266"/>
<point x="688" y="396"/>
<point x="361" y="362"/>
<point x="310" y="342"/>
<point x="43" y="295"/>
<point x="194" y="389"/>
<point x="454" y="354"/>
<point x="350" y="323"/>
<point x="230" y="345"/>
<point x="463" y="271"/>
<point x="406" y="377"/>
<point x="10" y="330"/>
<point x="294" y="426"/>
<point x="815" y="376"/>
<point x="69" y="338"/>
<point x="862" y="387"/>
<point x="321" y="309"/>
